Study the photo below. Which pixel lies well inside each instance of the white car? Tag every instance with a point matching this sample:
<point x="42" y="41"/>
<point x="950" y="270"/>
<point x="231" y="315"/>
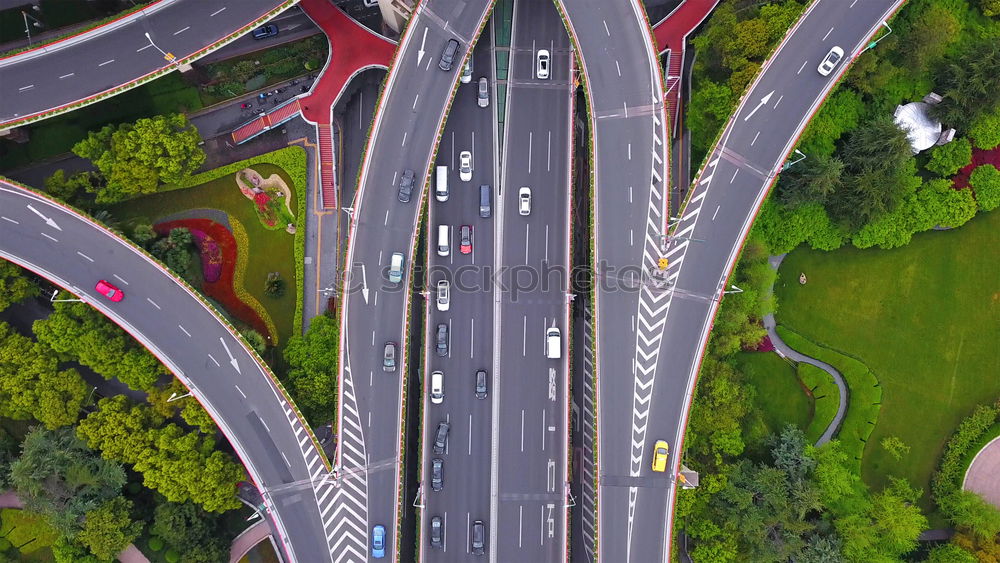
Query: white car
<point x="524" y="200"/>
<point x="542" y="65"/>
<point x="465" y="166"/>
<point x="830" y="61"/>
<point x="443" y="295"/>
<point x="467" y="72"/>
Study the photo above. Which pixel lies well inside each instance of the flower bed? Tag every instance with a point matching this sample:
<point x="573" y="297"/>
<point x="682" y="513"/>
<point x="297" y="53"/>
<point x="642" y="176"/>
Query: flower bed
<point x="218" y="252"/>
<point x="979" y="157"/>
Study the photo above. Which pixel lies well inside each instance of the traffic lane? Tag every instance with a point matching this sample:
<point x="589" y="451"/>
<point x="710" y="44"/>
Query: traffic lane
<point x="793" y="77"/>
<point x="185" y="332"/>
<point x="121" y="55"/>
<point x="622" y="189"/>
<point x="292" y="26"/>
<point x="456" y="15"/>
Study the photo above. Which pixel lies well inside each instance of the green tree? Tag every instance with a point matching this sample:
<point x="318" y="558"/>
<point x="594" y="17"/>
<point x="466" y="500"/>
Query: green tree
<point x="969" y="82"/>
<point x="811" y="181"/>
<point x="840" y="113"/>
<point x="30" y="385"/>
<point x="67" y="550"/>
<point x="8" y="453"/>
<point x="59" y="478"/>
<point x="312" y="369"/>
<point x="985" y="180"/>
<point x="67" y="188"/>
<point x="821" y="549"/>
<point x="14" y="286"/>
<point x="968" y="510"/>
<point x="109" y="529"/>
<point x="947" y="160"/>
<point x="949" y="553"/>
<point x="191" y="531"/>
<point x="136" y="157"/>
<point x="888" y="529"/>
<point x="840" y="487"/>
<point x="711" y="104"/>
<point x="989" y="7"/>
<point x="749" y="40"/>
<point x="175" y="250"/>
<point x="985" y="130"/>
<point x="143" y="235"/>
<point x="931" y="31"/>
<point x="895" y="447"/>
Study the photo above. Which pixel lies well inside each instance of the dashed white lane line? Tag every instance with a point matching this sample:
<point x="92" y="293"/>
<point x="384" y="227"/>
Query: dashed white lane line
<point x="119" y="278"/>
<point x="751" y="142"/>
<point x="28" y="87"/>
<point x="733" y="179"/>
<point x="619" y="69"/>
<point x="214" y="361"/>
<point x="802" y="67"/>
<point x="716" y="212"/>
<point x="153" y="303"/>
<point x="778" y="102"/>
<point x="414" y="107"/>
<point x="182" y="30"/>
<point x="107" y="62"/>
<point x="9" y="220"/>
<point x="143" y="48"/>
<point x="67" y="75"/>
<point x="404" y="139"/>
<point x="240" y="391"/>
<point x="264" y="424"/>
<point x="827" y="34"/>
<point x="50" y="237"/>
<point x="84" y="256"/>
<point x="217" y="12"/>
<point x="522" y="430"/>
<point x="286" y="459"/>
<point x="184" y="330"/>
<point x="606" y="30"/>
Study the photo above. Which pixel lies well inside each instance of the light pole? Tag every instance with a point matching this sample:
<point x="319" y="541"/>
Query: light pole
<point x="874" y="43"/>
<point x="54" y="300"/>
<point x="168" y="56"/>
<point x="27" y="28"/>
<point x="788" y="165"/>
<point x="175" y="396"/>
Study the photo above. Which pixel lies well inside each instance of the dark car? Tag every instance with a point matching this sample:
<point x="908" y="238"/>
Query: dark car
<point x="448" y="55"/>
<point x="437" y="535"/>
<point x="437" y="474"/>
<point x="481" y="384"/>
<point x="478" y="538"/>
<point x="441" y="437"/>
<point x="389" y="357"/>
<point x="406" y="186"/>
<point x="265" y="31"/>
<point x="442" y="340"/>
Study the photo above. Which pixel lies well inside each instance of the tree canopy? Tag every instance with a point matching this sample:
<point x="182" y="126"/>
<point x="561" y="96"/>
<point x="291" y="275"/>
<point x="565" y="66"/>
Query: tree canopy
<point x="14" y="286"/>
<point x="312" y="369"/>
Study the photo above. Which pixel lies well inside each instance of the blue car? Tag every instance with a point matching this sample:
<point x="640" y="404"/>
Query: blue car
<point x="378" y="542"/>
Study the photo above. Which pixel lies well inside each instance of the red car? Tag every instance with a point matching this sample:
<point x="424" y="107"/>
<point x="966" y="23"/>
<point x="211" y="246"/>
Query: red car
<point x="109" y="291"/>
<point x="466" y="237"/>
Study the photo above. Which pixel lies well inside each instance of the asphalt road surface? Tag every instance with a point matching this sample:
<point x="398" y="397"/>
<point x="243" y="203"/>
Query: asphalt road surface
<point x="465" y="497"/>
<point x="714" y="224"/>
<point x="529" y="484"/>
<point x="189" y="338"/>
<point x="628" y="123"/>
<point x="416" y="98"/>
<point x="119" y="56"/>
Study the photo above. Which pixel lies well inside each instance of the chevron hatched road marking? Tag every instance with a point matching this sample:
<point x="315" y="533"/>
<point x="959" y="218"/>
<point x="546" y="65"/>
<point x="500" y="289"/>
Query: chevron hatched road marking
<point x="589" y="494"/>
<point x="347" y="523"/>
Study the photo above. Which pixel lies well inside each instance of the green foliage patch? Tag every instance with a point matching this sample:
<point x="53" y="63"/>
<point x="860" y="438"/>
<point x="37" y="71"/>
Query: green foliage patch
<point x="825" y="395"/>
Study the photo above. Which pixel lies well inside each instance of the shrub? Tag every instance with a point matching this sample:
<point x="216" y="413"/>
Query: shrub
<point x="985" y="180"/>
<point x="948" y="477"/>
<point x="948" y="159"/>
<point x="985" y="132"/>
<point x="155" y="543"/>
<point x="172" y="556"/>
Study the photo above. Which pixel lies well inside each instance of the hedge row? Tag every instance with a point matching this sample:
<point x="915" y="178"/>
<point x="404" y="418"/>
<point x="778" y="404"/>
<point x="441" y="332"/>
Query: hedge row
<point x="960" y="448"/>
<point x="826" y="399"/>
<point x="294" y="162"/>
<point x="864" y="393"/>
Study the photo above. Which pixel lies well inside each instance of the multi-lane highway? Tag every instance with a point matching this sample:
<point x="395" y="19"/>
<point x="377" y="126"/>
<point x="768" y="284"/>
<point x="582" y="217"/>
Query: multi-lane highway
<point x="374" y="311"/>
<point x="727" y="194"/>
<point x="629" y="172"/>
<point x="272" y="441"/>
<point x="530" y="399"/>
<point x="465" y="496"/>
<point x="73" y="70"/>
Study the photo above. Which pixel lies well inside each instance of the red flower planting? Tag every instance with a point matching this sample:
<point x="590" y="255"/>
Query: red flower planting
<point x="217" y="247"/>
<point x="979" y="157"/>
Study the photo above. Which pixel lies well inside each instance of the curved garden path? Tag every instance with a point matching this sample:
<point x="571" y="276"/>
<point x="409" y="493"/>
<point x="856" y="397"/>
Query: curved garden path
<point x="983" y="475"/>
<point x="785" y="351"/>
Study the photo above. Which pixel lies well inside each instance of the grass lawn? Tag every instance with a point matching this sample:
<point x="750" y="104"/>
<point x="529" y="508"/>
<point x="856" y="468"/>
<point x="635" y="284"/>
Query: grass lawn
<point x="28" y="533"/>
<point x="925" y="318"/>
<point x="779" y="398"/>
<point x="57" y="135"/>
<point x="269" y="250"/>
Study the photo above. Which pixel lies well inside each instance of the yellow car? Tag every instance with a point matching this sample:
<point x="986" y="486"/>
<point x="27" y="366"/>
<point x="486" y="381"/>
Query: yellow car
<point x="660" y="456"/>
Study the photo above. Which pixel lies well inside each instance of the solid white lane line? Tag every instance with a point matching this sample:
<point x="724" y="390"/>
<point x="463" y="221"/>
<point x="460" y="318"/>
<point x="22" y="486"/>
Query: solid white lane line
<point x="119" y="278"/>
<point x="286" y="459"/>
<point x="606" y="30"/>
<point x="827" y="34"/>
<point x="386" y="222"/>
<point x="472" y="338"/>
<point x="240" y="391"/>
<point x="526" y="233"/>
<point x="548" y="154"/>
<point x="217" y="12"/>
<point x="153" y="303"/>
<point x="530" y="135"/>
<point x="522" y="430"/>
<point x="802" y="67"/>
<point x="85" y="256"/>
<point x="67" y="75"/>
<point x="361" y="109"/>
<point x="520" y="520"/>
<point x="28" y="87"/>
<point x="415" y="102"/>
<point x="184" y="330"/>
<point x="751" y="142"/>
<point x="404" y="139"/>
<point x="541" y="526"/>
<point x="543" y="430"/>
<point x="546" y="243"/>
<point x="470" y="434"/>
<point x="182" y="30"/>
<point x="524" y="340"/>
<point x="214" y="361"/>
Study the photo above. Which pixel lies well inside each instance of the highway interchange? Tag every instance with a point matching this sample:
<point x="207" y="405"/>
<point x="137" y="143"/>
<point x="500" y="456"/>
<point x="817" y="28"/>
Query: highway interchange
<point x="506" y="459"/>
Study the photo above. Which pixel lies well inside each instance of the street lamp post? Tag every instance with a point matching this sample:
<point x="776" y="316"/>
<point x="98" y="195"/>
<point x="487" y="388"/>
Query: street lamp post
<point x="874" y="43"/>
<point x="54" y="300"/>
<point x="27" y="28"/>
<point x="168" y="56"/>
<point x="788" y="165"/>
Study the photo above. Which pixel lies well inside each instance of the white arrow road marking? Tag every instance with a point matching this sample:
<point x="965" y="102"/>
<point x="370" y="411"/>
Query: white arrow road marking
<point x="232" y="360"/>
<point x="763" y="101"/>
<point x="364" y="284"/>
<point x="420" y="53"/>
<point x="48" y="220"/>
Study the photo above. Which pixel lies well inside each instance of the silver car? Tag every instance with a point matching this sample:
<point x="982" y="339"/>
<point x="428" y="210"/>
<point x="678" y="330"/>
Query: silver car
<point x="465" y="166"/>
<point x="483" y="95"/>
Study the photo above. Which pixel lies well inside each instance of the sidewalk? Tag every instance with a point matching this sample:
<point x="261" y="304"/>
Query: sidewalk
<point x="250" y="537"/>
